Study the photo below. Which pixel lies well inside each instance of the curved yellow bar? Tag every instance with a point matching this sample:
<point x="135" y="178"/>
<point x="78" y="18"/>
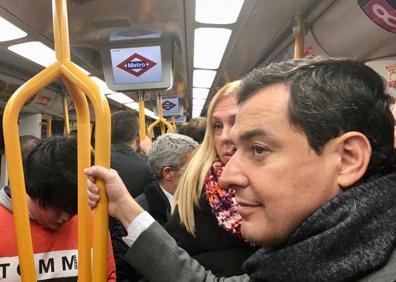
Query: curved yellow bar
<point x="76" y="82"/>
<point x="160" y="121"/>
<point x="102" y="143"/>
<point x="15" y="167"/>
<point x="84" y="160"/>
<point x="102" y="157"/>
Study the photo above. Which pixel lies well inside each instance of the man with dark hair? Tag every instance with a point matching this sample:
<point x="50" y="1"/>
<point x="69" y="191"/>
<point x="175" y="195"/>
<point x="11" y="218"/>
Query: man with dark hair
<point x="135" y="173"/>
<point x="314" y="175"/>
<point x="28" y="143"/>
<point x="125" y="140"/>
<point x="194" y="128"/>
<point x="51" y="187"/>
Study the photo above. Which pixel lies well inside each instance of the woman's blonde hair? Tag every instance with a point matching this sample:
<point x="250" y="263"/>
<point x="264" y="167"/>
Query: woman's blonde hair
<point x="191" y="183"/>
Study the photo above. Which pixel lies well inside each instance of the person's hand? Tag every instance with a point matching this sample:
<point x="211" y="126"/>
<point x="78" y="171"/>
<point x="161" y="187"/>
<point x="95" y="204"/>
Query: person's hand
<point x="145" y="145"/>
<point x="121" y="204"/>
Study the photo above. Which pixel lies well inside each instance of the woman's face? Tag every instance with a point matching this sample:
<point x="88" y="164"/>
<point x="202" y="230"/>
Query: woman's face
<point x="223" y="119"/>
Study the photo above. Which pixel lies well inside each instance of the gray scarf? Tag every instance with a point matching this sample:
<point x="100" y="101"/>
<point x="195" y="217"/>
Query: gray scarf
<point x="350" y="236"/>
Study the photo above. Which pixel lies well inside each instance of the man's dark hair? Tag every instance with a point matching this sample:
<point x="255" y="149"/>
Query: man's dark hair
<point x="195" y="128"/>
<point x="329" y="97"/>
<point x="28" y="143"/>
<point x="124" y="127"/>
<point x="51" y="174"/>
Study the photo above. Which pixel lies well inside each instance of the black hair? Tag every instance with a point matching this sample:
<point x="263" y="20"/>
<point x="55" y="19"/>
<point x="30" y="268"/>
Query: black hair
<point x="51" y="174"/>
<point x="124" y="127"/>
<point x="195" y="128"/>
<point x="329" y="97"/>
<point x="28" y="143"/>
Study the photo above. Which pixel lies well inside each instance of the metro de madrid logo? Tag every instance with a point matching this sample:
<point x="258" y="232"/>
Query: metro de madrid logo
<point x="136" y="64"/>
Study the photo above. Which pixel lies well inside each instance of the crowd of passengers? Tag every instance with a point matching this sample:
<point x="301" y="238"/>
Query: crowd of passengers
<point x="291" y="177"/>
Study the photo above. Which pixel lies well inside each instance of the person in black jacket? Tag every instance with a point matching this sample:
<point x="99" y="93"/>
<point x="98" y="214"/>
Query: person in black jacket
<point x="205" y="221"/>
<point x="135" y="173"/>
<point x="132" y="168"/>
<point x="314" y="177"/>
<point x="167" y="157"/>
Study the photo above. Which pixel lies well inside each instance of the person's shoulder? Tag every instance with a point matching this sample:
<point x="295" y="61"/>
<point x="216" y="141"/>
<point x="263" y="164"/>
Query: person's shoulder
<point x="142" y="201"/>
<point x="385" y="274"/>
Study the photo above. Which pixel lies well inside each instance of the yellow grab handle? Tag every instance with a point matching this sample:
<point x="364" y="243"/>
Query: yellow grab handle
<point x="84" y="160"/>
<point x="78" y="85"/>
<point x="15" y="167"/>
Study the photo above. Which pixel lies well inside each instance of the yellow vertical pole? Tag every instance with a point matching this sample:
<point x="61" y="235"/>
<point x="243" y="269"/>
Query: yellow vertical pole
<point x="142" y="118"/>
<point x="102" y="146"/>
<point x="66" y="116"/>
<point x="173" y="122"/>
<point x="49" y="127"/>
<point x="15" y="167"/>
<point x="298" y="39"/>
<point x="84" y="160"/>
<point x="62" y="50"/>
<point x="160" y="113"/>
<point x="73" y="76"/>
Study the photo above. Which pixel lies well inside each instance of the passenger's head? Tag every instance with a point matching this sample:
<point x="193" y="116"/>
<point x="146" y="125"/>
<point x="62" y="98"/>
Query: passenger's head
<point x="124" y="127"/>
<point x="305" y="132"/>
<point x="220" y="119"/>
<point x="167" y="157"/>
<point x="51" y="181"/>
<point x="28" y="143"/>
<point x="194" y="128"/>
<point x="216" y="143"/>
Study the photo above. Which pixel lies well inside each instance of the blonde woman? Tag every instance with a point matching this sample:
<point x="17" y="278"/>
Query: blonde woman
<point x="206" y="222"/>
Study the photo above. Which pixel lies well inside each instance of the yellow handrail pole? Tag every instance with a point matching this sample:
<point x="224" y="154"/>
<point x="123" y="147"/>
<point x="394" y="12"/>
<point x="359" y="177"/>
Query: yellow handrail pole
<point x="102" y="134"/>
<point x="102" y="112"/>
<point x="163" y="120"/>
<point x="142" y="118"/>
<point x="84" y="160"/>
<point x="102" y="157"/>
<point x="66" y="116"/>
<point x="62" y="50"/>
<point x="173" y="123"/>
<point x="49" y="127"/>
<point x="156" y="122"/>
<point x="15" y="167"/>
<point x="298" y="39"/>
<point x="151" y="126"/>
<point x="160" y="113"/>
<point x="169" y="126"/>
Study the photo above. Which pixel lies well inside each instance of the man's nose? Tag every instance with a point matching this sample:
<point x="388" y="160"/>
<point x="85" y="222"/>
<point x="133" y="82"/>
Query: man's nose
<point x="232" y="176"/>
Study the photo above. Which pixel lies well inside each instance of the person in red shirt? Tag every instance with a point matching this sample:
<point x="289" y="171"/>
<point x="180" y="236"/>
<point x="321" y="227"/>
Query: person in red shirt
<point x="51" y="186"/>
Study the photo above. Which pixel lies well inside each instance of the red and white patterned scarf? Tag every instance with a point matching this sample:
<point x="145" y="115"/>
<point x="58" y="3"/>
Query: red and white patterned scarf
<point x="222" y="201"/>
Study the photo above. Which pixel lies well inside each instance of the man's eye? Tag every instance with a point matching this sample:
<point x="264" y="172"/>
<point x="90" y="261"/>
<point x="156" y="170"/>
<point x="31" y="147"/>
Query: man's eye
<point x="258" y="150"/>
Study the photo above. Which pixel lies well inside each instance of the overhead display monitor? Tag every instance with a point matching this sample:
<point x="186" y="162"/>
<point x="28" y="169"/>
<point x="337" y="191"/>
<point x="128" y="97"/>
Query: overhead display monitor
<point x="137" y="66"/>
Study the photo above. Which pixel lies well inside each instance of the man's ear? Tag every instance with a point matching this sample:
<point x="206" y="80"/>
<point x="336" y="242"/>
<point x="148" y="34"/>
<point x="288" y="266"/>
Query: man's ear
<point x="167" y="173"/>
<point x="355" y="152"/>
